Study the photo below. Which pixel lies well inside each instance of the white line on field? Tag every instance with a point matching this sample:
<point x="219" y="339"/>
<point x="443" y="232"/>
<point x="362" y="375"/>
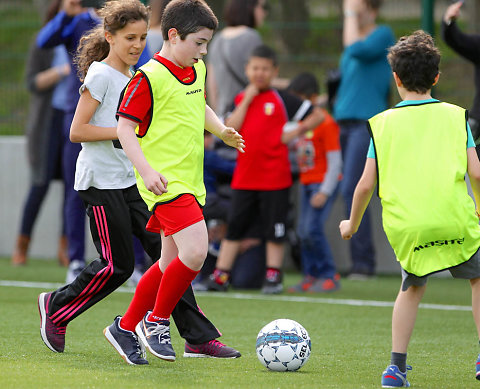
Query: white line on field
<point x="246" y="296"/>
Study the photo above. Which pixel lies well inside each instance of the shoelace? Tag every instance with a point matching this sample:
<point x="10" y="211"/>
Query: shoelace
<point x="139" y="346"/>
<point x="59" y="330"/>
<point x="216" y="343"/>
<point x="163" y="333"/>
<point x="213" y="345"/>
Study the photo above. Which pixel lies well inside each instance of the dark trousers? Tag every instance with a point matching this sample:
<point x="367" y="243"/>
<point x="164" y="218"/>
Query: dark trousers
<point x="74" y="210"/>
<point x="39" y="187"/>
<point x="116" y="215"/>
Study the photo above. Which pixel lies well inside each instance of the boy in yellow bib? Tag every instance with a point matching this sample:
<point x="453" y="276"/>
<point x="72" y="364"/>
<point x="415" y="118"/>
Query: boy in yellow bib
<point x="163" y="115"/>
<point x="428" y="216"/>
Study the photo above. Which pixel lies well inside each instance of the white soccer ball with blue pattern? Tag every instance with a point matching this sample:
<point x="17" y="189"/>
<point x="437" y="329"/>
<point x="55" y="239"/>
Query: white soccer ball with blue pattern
<point x="283" y="345"/>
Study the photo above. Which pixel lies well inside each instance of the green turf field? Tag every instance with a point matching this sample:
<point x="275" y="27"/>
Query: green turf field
<point x="350" y="333"/>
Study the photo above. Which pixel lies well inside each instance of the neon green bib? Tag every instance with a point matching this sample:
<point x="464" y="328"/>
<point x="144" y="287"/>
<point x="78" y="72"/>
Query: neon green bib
<point x="173" y="143"/>
<point x="428" y="216"/>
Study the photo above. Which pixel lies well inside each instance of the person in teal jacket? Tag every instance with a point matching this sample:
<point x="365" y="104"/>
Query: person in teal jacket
<point x="420" y="152"/>
<point x="363" y="92"/>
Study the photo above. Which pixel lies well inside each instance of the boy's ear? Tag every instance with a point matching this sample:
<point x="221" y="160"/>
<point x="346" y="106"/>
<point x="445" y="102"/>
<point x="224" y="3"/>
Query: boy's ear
<point x="276" y="71"/>
<point x="436" y="79"/>
<point x="398" y="82"/>
<point x="173" y="35"/>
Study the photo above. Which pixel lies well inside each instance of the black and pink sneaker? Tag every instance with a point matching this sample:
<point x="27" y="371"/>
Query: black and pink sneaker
<point x="52" y="335"/>
<point x="211" y="349"/>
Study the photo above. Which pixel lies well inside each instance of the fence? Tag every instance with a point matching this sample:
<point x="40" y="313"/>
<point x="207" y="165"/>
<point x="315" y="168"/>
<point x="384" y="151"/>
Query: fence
<point x="313" y="44"/>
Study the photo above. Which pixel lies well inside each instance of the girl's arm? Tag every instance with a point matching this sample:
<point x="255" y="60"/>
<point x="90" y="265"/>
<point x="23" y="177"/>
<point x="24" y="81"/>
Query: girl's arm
<point x="81" y="130"/>
<point x="154" y="181"/>
<point x="361" y="198"/>
<point x="227" y="134"/>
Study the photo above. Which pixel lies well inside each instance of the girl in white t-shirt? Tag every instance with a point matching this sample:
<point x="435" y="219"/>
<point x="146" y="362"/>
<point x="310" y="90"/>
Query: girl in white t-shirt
<point x="105" y="181"/>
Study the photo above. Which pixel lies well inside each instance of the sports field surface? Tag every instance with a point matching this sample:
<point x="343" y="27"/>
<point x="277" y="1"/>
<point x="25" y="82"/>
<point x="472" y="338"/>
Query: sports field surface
<point x="349" y="330"/>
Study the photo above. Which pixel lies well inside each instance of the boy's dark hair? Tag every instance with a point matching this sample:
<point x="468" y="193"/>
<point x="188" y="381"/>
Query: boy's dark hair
<point x="264" y="51"/>
<point x="187" y="16"/>
<point x="240" y="13"/>
<point x="305" y="84"/>
<point x="415" y="59"/>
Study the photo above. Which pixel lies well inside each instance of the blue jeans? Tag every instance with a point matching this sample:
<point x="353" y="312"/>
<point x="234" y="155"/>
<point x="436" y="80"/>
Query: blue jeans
<point x="317" y="258"/>
<point x="354" y="140"/>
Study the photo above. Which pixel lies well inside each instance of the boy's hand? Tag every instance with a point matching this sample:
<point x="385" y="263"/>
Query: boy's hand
<point x="346" y="229"/>
<point x="250" y="92"/>
<point x="232" y="138"/>
<point x="155" y="182"/>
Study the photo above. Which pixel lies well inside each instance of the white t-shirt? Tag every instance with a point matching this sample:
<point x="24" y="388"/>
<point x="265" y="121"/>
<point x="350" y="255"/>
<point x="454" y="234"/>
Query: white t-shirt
<point x="100" y="164"/>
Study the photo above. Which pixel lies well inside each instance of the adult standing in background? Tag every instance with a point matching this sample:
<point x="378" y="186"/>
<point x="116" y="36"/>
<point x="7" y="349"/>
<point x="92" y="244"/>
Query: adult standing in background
<point x="230" y="50"/>
<point x="67" y="28"/>
<point x="363" y="92"/>
<point x="468" y="46"/>
<point x="154" y="36"/>
<point x="45" y="78"/>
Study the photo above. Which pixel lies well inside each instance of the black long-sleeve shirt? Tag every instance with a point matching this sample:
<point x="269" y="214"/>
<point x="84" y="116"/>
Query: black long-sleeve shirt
<point x="468" y="46"/>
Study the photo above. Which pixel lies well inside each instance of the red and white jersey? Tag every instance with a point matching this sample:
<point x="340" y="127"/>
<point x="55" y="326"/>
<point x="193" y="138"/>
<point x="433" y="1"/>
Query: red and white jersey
<point x="265" y="164"/>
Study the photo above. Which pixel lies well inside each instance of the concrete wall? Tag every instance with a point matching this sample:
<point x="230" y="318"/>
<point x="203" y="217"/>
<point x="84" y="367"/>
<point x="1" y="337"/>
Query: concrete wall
<point x="14" y="185"/>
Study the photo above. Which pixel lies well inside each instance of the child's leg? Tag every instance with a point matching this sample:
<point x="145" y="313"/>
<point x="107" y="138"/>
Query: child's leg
<point x="228" y="253"/>
<point x="275" y="252"/>
<point x="144" y="298"/>
<point x="192" y="244"/>
<point x="404" y="316"/>
<point x="475" y="284"/>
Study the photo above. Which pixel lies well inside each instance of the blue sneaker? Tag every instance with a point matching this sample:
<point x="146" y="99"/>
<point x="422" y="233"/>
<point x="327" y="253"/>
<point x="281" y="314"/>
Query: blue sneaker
<point x="477" y="368"/>
<point x="393" y="378"/>
<point x="156" y="337"/>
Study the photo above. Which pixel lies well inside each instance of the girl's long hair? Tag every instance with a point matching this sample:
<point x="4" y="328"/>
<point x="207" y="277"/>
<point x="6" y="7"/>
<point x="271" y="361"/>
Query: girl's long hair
<point x="116" y="14"/>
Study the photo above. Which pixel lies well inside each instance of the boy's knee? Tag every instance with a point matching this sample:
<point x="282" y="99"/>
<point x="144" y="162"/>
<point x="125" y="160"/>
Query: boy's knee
<point x="195" y="256"/>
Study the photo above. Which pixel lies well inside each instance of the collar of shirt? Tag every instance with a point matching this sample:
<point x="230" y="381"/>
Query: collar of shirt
<point x="415" y="102"/>
<point x="183" y="74"/>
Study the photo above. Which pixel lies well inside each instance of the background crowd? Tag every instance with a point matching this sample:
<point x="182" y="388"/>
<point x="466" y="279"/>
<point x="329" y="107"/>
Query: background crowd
<point x="324" y="148"/>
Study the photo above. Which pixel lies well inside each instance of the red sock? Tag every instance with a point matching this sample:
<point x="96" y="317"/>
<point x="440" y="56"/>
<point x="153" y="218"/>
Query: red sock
<point x="143" y="299"/>
<point x="175" y="281"/>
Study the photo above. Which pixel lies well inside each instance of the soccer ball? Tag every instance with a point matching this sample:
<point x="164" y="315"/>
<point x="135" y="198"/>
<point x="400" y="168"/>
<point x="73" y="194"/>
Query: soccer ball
<point x="283" y="345"/>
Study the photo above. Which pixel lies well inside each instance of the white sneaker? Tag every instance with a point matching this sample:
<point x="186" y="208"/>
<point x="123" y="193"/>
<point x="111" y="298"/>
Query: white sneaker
<point x="74" y="269"/>
<point x="135" y="278"/>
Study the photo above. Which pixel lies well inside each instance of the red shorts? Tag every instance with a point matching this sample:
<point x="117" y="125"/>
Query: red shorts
<point x="176" y="215"/>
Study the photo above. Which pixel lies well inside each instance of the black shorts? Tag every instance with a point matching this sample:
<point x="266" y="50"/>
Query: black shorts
<point x="249" y="206"/>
